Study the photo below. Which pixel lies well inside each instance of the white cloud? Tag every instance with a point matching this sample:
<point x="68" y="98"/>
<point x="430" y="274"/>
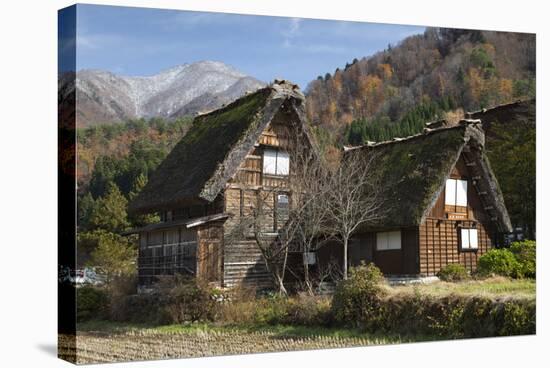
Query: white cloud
<point x="294" y="26"/>
<point x="86" y="42"/>
<point x="290" y="32"/>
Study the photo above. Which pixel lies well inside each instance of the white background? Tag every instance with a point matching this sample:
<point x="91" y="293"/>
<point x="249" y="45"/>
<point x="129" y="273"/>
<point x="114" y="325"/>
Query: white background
<point x="28" y="166"/>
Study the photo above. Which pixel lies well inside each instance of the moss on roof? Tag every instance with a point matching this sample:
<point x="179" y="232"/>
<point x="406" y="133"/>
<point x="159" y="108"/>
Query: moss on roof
<point x="519" y="111"/>
<point x="192" y="162"/>
<point x="411" y="172"/>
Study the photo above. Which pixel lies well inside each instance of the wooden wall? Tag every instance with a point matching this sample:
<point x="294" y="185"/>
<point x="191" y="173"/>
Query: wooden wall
<point x="246" y="191"/>
<point x="439" y="245"/>
<point x="439" y="233"/>
<point x="210" y="252"/>
<point x="243" y="264"/>
<point x="402" y="261"/>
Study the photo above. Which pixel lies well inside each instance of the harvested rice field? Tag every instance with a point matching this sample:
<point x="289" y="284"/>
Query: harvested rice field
<point x="157" y="343"/>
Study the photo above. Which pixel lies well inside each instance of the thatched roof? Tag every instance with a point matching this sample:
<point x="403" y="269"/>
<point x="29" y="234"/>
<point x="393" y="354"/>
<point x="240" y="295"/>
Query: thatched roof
<point x="412" y="172"/>
<point x="511" y="113"/>
<point x="523" y="111"/>
<point x="200" y="165"/>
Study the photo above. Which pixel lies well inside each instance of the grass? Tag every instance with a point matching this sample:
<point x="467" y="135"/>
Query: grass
<point x="492" y="287"/>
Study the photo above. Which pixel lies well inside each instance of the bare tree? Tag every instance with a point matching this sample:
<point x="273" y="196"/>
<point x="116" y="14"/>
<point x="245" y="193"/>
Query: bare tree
<point x="353" y="199"/>
<point x="311" y="184"/>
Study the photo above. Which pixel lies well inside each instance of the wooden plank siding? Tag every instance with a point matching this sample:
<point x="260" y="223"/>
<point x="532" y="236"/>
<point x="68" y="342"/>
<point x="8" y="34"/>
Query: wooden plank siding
<point x="250" y="172"/>
<point x="440" y="245"/>
<point x="402" y="261"/>
<point x="276" y="135"/>
<point x="439" y="242"/>
<point x="210" y="252"/>
<point x="243" y="262"/>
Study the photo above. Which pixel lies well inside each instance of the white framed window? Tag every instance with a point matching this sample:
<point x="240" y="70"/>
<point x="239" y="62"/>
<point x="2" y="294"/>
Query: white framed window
<point x="389" y="240"/>
<point x="456" y="192"/>
<point x="270" y="162"/>
<point x="468" y="239"/>
<point x="276" y="162"/>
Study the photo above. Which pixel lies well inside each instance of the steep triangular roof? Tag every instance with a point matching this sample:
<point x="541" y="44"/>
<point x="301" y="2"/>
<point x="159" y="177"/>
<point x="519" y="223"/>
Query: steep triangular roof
<point x="412" y="171"/>
<point x="199" y="166"/>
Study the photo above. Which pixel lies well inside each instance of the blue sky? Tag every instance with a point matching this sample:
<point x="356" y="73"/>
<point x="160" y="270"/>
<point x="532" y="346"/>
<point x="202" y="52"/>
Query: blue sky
<point x="140" y="41"/>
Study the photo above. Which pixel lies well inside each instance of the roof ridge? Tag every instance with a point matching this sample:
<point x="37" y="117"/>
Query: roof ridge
<point x="230" y="105"/>
<point x="281" y="87"/>
<point x="486" y="109"/>
<point x="463" y="123"/>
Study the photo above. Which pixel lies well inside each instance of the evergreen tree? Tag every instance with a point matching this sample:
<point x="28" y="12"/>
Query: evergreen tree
<point x="109" y="213"/>
<point x="141" y="219"/>
<point x="114" y="255"/>
<point x="85" y="205"/>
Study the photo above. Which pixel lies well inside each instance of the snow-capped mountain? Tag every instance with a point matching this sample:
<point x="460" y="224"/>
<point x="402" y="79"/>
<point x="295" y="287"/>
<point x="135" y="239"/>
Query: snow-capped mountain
<point x="182" y="90"/>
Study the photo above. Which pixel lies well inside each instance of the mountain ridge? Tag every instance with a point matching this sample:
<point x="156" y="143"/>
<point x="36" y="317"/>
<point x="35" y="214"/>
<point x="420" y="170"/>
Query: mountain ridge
<point x="186" y="89"/>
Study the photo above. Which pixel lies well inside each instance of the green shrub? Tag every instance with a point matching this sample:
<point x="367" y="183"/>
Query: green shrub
<point x="273" y="310"/>
<point x="173" y="300"/>
<point x="191" y="300"/>
<point x="308" y="311"/>
<point x="237" y="312"/>
<point x="357" y="300"/>
<point x="402" y="313"/>
<point x="270" y="310"/>
<point x="140" y="308"/>
<point x="453" y="272"/>
<point x="499" y="262"/>
<point x="526" y="254"/>
<point x="517" y="318"/>
<point x="455" y="316"/>
<point x="477" y="320"/>
<point x="444" y="315"/>
<point x="91" y="303"/>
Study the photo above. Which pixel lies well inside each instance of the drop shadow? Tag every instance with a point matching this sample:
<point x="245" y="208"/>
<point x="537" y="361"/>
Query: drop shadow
<point x="50" y="349"/>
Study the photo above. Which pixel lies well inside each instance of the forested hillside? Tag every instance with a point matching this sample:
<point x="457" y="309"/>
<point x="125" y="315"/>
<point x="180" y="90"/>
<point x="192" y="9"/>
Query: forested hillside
<point x="394" y="92"/>
<point x="121" y="152"/>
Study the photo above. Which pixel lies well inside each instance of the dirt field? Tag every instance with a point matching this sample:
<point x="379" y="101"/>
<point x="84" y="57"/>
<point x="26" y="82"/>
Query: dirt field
<point x="100" y="347"/>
